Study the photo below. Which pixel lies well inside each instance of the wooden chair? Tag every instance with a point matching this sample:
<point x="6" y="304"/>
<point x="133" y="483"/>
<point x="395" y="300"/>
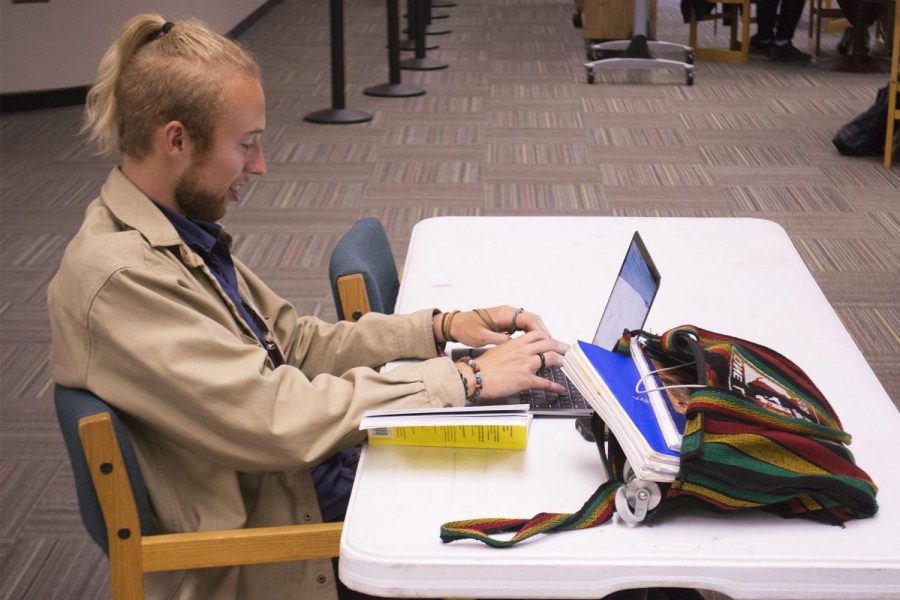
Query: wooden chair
<point x="117" y="513"/>
<point x="893" y="109"/>
<point x="362" y="271"/>
<point x="738" y="50"/>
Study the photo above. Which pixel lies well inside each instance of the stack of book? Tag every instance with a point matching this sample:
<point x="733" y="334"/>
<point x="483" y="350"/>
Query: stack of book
<point x="503" y="427"/>
<point x="636" y="401"/>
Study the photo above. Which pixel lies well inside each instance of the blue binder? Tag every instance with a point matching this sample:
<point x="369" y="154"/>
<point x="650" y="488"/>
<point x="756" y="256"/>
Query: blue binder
<point x="621" y="375"/>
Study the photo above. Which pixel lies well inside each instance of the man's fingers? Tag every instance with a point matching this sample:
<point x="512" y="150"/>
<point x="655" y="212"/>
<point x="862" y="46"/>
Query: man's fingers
<point x="496" y="338"/>
<point x="527" y="321"/>
<point x="544" y="344"/>
<point x="541" y="383"/>
<point x="550" y="359"/>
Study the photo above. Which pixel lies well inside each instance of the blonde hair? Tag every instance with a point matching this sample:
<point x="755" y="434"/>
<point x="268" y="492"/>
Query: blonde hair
<point x="156" y="72"/>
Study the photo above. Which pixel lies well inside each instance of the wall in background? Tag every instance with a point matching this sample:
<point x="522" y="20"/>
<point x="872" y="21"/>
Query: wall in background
<point x="58" y="44"/>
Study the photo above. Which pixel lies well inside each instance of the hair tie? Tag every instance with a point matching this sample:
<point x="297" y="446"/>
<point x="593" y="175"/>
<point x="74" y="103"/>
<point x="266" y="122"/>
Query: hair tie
<point x="166" y="28"/>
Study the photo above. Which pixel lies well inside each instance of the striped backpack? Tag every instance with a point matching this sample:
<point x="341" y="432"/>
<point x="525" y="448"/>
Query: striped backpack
<point x="758" y="434"/>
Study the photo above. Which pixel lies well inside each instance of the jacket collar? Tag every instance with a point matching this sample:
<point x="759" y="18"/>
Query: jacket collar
<point x="133" y="208"/>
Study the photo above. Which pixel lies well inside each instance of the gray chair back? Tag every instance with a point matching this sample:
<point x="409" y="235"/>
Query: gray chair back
<point x="366" y="249"/>
<point x="71" y="406"/>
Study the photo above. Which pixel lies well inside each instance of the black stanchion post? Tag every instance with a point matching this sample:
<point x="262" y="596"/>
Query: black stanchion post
<point x="394" y="88"/>
<point x="430" y="27"/>
<point x="409" y="44"/>
<point x="417" y="22"/>
<point x="338" y="114"/>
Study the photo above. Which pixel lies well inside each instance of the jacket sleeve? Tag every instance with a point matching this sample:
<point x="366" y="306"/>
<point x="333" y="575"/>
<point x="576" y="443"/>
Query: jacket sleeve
<point x="158" y="350"/>
<point x="318" y="347"/>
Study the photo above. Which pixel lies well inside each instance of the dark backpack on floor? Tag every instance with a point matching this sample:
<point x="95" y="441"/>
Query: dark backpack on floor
<point x="864" y="135"/>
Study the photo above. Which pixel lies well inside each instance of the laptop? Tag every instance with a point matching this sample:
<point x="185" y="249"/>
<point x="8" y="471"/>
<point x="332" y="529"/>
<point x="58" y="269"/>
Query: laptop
<point x="626" y="309"/>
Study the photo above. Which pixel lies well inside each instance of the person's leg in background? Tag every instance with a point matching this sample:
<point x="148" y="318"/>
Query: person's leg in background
<point x="766" y="13"/>
<point x="788" y="16"/>
<point x="871" y="11"/>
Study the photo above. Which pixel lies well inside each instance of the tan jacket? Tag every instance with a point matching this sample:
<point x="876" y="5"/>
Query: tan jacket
<point x="224" y="439"/>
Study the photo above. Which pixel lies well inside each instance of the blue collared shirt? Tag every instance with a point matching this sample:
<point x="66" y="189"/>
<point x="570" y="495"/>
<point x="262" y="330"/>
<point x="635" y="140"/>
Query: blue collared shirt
<point x="213" y="245"/>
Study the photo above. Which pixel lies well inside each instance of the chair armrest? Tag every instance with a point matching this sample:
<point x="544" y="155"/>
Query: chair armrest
<point x="129" y="551"/>
<point x="201" y="549"/>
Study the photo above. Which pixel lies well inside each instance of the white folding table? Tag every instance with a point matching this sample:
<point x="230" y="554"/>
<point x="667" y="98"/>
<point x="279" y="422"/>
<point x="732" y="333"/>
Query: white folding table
<point x="738" y="276"/>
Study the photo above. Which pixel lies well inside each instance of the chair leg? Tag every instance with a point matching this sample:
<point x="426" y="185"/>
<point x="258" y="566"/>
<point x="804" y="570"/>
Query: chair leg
<point x="745" y="31"/>
<point x="733" y="13"/>
<point x="818" y="24"/>
<point x="812" y="14"/>
<point x="891" y="123"/>
<point x="692" y="36"/>
<point x="126" y="578"/>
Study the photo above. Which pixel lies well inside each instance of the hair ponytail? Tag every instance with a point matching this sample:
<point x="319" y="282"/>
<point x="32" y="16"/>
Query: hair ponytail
<point x="100" y="107"/>
<point x="156" y="72"/>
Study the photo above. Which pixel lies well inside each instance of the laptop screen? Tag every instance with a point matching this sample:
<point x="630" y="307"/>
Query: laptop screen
<point x="631" y="297"/>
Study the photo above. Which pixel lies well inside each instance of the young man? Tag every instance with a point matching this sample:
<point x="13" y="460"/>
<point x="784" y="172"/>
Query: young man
<point x="776" y="21"/>
<point x="229" y="397"/>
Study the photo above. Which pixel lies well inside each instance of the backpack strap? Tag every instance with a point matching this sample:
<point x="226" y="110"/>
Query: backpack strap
<point x="597" y="510"/>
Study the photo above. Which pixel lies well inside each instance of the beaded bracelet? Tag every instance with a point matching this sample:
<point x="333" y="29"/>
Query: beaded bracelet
<point x="465" y="383"/>
<point x="478" y="382"/>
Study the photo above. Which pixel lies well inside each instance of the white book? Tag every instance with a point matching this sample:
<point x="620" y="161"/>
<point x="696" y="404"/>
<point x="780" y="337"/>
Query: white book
<point x="668" y="402"/>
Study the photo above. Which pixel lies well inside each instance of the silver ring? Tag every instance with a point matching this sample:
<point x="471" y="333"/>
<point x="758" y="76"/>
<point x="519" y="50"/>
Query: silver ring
<point x="515" y="326"/>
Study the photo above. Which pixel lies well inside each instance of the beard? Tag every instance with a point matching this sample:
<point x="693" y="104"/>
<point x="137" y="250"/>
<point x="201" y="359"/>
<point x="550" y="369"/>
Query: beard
<point x="196" y="202"/>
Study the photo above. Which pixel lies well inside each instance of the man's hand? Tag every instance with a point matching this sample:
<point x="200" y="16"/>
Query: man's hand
<point x="510" y="367"/>
<point x="485" y="326"/>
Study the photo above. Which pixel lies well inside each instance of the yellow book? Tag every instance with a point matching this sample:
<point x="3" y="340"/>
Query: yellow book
<point x="499" y="427"/>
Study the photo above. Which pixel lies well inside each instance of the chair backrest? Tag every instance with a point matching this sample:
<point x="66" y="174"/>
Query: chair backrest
<point x="365" y="249"/>
<point x="72" y="405"/>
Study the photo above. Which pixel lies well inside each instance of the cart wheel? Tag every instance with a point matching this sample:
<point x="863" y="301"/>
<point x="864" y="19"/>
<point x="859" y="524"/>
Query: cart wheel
<point x="590" y="76"/>
<point x="576" y="20"/>
<point x="689" y="77"/>
<point x="689" y="57"/>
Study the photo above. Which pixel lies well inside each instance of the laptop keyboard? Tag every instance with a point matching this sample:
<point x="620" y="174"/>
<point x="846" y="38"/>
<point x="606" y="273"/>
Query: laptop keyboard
<point x="543" y="400"/>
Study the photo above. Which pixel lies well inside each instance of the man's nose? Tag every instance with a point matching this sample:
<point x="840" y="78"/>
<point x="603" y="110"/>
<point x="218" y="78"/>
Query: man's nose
<point x="257" y="165"/>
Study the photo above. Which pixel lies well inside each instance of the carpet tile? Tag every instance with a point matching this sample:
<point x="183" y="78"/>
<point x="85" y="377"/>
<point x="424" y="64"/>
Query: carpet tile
<point x="511" y="127"/>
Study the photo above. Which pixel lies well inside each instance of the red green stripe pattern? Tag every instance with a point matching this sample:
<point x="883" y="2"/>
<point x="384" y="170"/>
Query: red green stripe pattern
<point x="759" y="435"/>
<point x="762" y="435"/>
<point x="598" y="509"/>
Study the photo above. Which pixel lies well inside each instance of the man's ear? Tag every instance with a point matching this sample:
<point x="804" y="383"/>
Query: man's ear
<point x="176" y="140"/>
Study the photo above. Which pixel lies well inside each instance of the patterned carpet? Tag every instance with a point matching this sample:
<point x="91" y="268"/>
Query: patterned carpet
<point x="511" y="127"/>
